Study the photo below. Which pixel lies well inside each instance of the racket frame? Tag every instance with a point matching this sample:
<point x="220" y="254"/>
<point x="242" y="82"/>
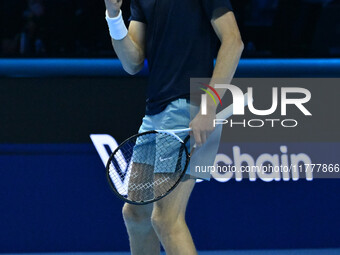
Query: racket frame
<point x="173" y="133"/>
<point x="224" y="114"/>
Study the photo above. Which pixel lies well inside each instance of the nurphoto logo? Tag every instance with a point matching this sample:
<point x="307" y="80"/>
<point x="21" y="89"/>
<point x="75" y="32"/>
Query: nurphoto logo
<point x="239" y="103"/>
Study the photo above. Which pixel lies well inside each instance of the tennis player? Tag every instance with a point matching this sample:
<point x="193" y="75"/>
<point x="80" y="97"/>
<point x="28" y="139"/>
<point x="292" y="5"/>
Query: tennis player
<point x="179" y="38"/>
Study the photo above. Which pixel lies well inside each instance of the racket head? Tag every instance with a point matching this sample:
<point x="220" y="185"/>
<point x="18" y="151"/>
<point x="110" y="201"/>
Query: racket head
<point x="147" y="166"/>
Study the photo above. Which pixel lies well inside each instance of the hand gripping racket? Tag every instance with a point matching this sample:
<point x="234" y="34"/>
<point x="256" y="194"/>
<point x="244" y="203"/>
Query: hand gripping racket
<point x="148" y="166"/>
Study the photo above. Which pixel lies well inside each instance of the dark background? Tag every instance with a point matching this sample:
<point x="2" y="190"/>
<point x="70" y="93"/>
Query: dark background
<point x="66" y="110"/>
<point x="77" y="28"/>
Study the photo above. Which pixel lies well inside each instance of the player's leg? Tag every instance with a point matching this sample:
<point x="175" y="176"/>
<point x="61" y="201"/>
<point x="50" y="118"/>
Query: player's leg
<point x="142" y="237"/>
<point x="168" y="220"/>
<point x="168" y="216"/>
<point x="137" y="218"/>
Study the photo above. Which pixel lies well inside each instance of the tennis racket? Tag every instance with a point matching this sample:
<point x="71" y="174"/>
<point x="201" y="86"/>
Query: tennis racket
<point x="148" y="166"/>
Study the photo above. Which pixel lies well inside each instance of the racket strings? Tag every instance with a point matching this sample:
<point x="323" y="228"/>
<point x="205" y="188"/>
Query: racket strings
<point x="148" y="185"/>
<point x="147" y="166"/>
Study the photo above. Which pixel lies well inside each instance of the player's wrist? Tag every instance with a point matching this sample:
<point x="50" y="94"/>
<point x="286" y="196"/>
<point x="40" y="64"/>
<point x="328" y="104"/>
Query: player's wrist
<point x="211" y="106"/>
<point x="117" y="28"/>
<point x="112" y="13"/>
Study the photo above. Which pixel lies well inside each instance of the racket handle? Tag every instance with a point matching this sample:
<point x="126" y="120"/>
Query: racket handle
<point x="192" y="150"/>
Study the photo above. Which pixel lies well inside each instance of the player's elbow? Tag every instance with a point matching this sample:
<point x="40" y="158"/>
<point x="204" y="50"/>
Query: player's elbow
<point x="133" y="69"/>
<point x="235" y="40"/>
<point x="239" y="44"/>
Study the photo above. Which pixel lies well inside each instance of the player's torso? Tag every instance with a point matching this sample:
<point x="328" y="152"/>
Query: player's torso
<point x="167" y="10"/>
<point x="173" y="24"/>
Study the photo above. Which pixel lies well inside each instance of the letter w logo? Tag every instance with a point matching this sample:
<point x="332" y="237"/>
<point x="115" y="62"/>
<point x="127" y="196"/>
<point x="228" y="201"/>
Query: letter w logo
<point x="119" y="173"/>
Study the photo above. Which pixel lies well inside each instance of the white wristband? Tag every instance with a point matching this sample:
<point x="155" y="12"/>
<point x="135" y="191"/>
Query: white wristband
<point x="117" y="26"/>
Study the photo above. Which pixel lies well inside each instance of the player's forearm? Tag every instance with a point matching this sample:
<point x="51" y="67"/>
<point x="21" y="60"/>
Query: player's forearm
<point x="123" y="40"/>
<point x="227" y="61"/>
<point x="130" y="55"/>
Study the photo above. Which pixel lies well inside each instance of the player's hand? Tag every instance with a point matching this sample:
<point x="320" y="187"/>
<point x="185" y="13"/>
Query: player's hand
<point x="202" y="126"/>
<point x="113" y="7"/>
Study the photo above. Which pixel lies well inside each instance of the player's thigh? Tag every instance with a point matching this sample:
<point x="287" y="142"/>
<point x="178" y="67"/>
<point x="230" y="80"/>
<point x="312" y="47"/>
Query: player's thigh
<point x="141" y="182"/>
<point x="174" y="205"/>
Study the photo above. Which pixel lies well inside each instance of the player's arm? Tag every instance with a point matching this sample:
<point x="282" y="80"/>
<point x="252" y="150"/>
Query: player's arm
<point x="131" y="48"/>
<point x="228" y="58"/>
<point x="229" y="53"/>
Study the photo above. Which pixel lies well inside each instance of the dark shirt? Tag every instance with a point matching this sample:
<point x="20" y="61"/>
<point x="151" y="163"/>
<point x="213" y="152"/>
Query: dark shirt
<point x="180" y="44"/>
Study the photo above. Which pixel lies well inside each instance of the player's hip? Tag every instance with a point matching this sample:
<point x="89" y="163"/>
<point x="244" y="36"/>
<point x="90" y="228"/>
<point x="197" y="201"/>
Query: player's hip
<point x="176" y="115"/>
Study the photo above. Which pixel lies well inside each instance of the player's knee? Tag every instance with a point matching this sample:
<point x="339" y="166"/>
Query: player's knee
<point x="163" y="221"/>
<point x="135" y="214"/>
<point x="158" y="222"/>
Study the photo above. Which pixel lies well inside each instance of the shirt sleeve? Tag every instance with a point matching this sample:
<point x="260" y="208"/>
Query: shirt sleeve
<point x="210" y="6"/>
<point x="136" y="12"/>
